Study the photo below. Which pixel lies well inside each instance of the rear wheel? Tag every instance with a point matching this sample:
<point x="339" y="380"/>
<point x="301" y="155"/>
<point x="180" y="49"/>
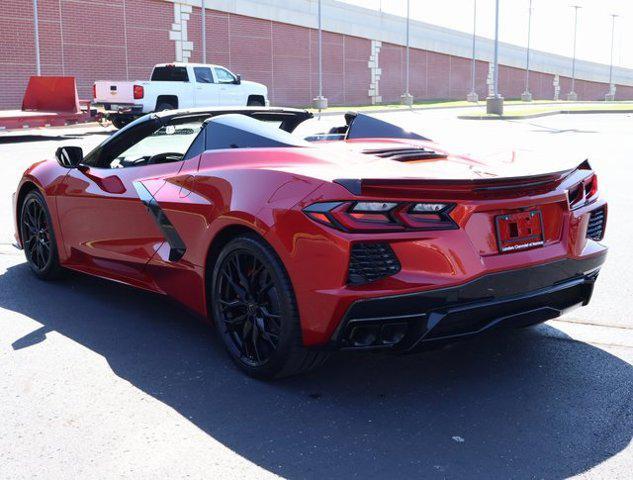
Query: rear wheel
<point x="255" y="311"/>
<point x="164" y="106"/>
<point x="38" y="237"/>
<point x="119" y="122"/>
<point x="255" y="102"/>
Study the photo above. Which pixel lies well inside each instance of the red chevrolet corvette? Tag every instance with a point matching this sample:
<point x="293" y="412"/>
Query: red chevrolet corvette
<point x="367" y="237"/>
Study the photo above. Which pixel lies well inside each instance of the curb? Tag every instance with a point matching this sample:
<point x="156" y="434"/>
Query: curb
<point x="538" y="115"/>
<point x="454" y="107"/>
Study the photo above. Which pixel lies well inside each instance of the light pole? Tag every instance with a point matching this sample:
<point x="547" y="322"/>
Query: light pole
<point x="320" y="102"/>
<point x="494" y="104"/>
<point x="573" y="96"/>
<point x="38" y="67"/>
<point x="204" y="32"/>
<point x="610" y="96"/>
<point x="472" y="96"/>
<point x="407" y="98"/>
<point x="527" y="96"/>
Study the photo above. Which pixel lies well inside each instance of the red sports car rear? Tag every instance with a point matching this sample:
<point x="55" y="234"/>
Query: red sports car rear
<point x="368" y="237"/>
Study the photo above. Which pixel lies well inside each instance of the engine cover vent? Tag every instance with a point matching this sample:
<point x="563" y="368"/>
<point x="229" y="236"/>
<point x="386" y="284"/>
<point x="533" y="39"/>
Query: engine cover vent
<point x="405" y="154"/>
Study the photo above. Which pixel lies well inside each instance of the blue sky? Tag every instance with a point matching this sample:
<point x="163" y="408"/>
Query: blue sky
<point x="552" y="23"/>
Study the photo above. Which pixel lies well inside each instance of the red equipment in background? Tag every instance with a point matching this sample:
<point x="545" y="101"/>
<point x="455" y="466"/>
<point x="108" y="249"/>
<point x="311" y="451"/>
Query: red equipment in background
<point x="48" y="101"/>
<point x="51" y="94"/>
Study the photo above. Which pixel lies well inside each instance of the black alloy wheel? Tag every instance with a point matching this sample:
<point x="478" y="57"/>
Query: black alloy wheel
<point x="249" y="307"/>
<point x="255" y="313"/>
<point x="38" y="238"/>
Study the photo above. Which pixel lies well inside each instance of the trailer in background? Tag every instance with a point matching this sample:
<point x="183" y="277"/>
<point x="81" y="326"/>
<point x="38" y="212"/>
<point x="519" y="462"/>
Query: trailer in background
<point x="49" y="101"/>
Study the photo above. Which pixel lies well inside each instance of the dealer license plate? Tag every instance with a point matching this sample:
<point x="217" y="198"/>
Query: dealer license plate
<point x="520" y="231"/>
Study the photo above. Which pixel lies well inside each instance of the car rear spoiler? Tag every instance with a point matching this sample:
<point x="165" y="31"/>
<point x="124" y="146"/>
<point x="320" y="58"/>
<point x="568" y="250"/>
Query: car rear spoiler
<point x="459" y="188"/>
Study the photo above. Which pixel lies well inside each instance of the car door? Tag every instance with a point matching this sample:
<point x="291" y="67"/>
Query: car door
<point x="106" y="226"/>
<point x="230" y="92"/>
<point x="207" y="91"/>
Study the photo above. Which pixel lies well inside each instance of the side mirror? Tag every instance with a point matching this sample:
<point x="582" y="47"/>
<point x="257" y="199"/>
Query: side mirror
<point x="238" y="79"/>
<point x="69" y="157"/>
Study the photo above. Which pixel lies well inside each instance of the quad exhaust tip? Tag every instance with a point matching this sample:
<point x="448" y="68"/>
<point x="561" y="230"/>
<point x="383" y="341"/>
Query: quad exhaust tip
<point x="377" y="335"/>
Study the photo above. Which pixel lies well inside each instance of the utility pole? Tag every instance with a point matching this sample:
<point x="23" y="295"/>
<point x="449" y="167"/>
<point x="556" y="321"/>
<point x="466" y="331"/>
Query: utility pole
<point x="407" y="98"/>
<point x="320" y="102"/>
<point x="494" y="104"/>
<point x="472" y="96"/>
<point x="204" y="31"/>
<point x="610" y="96"/>
<point x="527" y="96"/>
<point x="573" y="96"/>
<point x="38" y="66"/>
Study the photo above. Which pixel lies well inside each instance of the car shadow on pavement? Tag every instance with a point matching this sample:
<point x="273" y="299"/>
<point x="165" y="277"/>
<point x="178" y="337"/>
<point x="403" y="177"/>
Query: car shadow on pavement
<point x="527" y="404"/>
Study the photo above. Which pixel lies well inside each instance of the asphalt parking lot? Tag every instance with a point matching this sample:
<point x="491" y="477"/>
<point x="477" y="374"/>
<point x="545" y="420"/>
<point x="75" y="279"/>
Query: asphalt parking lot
<point x="102" y="381"/>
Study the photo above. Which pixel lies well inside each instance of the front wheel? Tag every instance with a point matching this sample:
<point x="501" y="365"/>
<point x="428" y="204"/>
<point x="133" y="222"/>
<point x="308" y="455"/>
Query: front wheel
<point x="255" y="311"/>
<point x="38" y="237"/>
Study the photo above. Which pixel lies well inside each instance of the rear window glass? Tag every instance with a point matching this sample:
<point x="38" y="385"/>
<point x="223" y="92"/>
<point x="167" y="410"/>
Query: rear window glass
<point x="170" y="74"/>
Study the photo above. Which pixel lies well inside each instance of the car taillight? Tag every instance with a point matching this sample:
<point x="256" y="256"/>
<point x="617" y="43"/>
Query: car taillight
<point x="591" y="186"/>
<point x="382" y="216"/>
<point x="584" y="192"/>
<point x="94" y="91"/>
<point x="139" y="92"/>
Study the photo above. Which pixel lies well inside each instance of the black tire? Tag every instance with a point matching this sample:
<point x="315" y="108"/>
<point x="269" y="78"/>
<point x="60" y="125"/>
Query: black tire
<point x="38" y="237"/>
<point x="259" y="324"/>
<point x="255" y="102"/>
<point x="164" y="106"/>
<point x="119" y="122"/>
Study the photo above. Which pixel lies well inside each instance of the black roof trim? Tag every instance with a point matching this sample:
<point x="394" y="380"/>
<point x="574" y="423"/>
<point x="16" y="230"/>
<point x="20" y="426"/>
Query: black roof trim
<point x="295" y="116"/>
<point x="365" y="126"/>
<point x="352" y="185"/>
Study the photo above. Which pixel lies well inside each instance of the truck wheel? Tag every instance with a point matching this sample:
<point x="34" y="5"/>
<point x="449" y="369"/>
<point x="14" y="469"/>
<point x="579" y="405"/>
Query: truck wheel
<point x="255" y="102"/>
<point x="164" y="106"/>
<point x="119" y="122"/>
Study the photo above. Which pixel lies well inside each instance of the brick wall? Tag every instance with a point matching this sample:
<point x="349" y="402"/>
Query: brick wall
<point x="123" y="39"/>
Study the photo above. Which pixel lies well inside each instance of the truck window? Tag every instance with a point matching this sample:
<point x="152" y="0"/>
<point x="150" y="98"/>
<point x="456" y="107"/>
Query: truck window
<point x="170" y="74"/>
<point x="224" y="76"/>
<point x="203" y="74"/>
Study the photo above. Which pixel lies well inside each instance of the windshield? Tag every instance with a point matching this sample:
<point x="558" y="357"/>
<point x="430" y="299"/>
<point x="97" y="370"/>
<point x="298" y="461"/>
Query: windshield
<point x="170" y="142"/>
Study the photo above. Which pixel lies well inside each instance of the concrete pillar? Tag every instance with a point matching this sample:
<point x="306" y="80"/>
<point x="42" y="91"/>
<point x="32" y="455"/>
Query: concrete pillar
<point x="494" y="105"/>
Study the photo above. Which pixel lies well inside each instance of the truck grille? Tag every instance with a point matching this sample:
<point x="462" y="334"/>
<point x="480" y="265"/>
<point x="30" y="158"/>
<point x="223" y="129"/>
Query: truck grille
<point x="371" y="261"/>
<point x="597" y="220"/>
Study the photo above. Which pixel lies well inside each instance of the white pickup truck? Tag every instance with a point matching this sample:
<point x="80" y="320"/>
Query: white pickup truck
<point x="176" y="85"/>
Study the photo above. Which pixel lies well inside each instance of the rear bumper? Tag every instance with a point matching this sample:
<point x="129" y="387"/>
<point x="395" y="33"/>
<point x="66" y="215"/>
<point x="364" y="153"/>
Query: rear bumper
<point x="507" y="299"/>
<point x="120" y="108"/>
